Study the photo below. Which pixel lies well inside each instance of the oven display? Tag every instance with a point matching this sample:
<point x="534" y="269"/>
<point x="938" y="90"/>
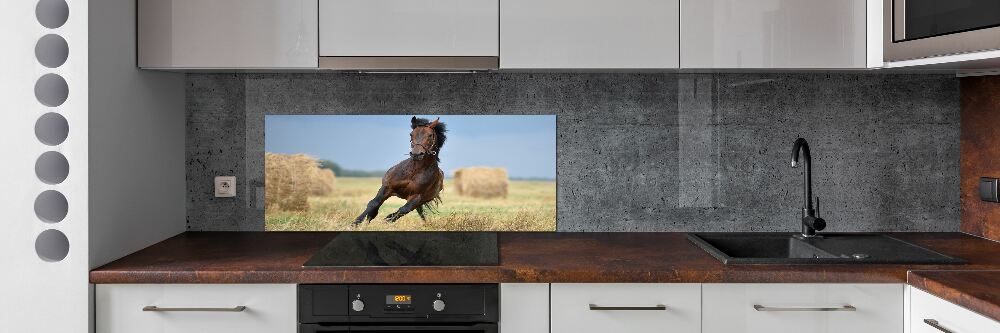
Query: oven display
<point x="398" y="299"/>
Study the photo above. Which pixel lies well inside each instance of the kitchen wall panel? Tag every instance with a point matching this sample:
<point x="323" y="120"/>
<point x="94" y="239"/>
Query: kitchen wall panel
<point x="980" y="150"/>
<point x="637" y="151"/>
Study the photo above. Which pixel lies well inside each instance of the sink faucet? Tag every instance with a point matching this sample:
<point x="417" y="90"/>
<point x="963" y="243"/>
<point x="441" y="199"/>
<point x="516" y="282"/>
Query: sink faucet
<point x="810" y="222"/>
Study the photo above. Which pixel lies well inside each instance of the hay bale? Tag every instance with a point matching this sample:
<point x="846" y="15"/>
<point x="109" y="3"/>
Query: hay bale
<point x="290" y="179"/>
<point x="481" y="182"/>
<point x="322" y="182"/>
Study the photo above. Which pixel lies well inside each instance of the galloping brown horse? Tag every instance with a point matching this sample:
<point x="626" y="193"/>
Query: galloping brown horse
<point x="417" y="179"/>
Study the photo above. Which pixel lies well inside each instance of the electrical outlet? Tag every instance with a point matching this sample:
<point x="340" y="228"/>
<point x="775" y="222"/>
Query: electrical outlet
<point x="225" y="186"/>
<point x="988" y="189"/>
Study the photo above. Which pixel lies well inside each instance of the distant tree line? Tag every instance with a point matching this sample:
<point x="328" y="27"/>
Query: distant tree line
<point x="341" y="172"/>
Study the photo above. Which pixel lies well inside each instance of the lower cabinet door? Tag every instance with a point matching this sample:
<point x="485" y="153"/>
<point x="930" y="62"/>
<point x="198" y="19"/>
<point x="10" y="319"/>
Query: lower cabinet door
<point x="632" y="307"/>
<point x="803" y="308"/>
<point x="524" y="307"/>
<point x="189" y="308"/>
<point x="930" y="314"/>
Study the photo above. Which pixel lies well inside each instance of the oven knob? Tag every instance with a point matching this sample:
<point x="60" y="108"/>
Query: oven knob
<point x="438" y="305"/>
<point x="358" y="305"/>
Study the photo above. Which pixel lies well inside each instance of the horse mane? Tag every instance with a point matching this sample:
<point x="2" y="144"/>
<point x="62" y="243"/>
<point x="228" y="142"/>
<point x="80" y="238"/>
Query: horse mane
<point x="439" y="131"/>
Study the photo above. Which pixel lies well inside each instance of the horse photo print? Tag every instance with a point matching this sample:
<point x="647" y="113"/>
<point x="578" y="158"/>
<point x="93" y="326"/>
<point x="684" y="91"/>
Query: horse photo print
<point x="410" y="173"/>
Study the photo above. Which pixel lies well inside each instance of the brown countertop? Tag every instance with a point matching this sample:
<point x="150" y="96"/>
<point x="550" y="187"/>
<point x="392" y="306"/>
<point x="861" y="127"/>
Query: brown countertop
<point x="978" y="291"/>
<point x="277" y="257"/>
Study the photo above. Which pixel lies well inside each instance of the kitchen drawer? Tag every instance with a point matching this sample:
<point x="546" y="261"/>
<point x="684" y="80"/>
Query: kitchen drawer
<point x="428" y="28"/>
<point x="589" y="34"/>
<point x="948" y="316"/>
<point x="802" y="308"/>
<point x="269" y="308"/>
<point x="632" y="307"/>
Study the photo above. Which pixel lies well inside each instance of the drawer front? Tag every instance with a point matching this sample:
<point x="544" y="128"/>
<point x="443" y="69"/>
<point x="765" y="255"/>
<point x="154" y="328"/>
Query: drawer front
<point x="633" y="307"/>
<point x="269" y="308"/>
<point x="803" y="308"/>
<point x="362" y="28"/>
<point x="596" y="34"/>
<point x="946" y="315"/>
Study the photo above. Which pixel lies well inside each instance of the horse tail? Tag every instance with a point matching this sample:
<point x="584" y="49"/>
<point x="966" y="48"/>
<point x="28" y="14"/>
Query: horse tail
<point x="431" y="206"/>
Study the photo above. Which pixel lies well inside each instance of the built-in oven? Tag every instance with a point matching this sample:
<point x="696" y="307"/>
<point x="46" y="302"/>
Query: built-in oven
<point x="916" y="29"/>
<point x="378" y="308"/>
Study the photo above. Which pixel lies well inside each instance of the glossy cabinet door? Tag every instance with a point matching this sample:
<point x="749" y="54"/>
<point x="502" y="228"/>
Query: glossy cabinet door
<point x="227" y="34"/>
<point x="626" y="307"/>
<point x="774" y="34"/>
<point x="524" y="307"/>
<point x="802" y="308"/>
<point x="427" y="28"/>
<point x="930" y="314"/>
<point x="190" y="308"/>
<point x="589" y="34"/>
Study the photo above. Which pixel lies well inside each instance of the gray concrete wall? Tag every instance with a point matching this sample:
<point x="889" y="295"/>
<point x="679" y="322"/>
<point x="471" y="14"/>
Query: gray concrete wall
<point x="637" y="152"/>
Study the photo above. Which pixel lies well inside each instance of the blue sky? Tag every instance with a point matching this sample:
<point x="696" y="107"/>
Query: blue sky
<point x="525" y="145"/>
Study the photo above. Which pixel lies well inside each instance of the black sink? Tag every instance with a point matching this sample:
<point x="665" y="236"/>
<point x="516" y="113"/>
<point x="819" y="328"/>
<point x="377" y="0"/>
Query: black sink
<point x="833" y="248"/>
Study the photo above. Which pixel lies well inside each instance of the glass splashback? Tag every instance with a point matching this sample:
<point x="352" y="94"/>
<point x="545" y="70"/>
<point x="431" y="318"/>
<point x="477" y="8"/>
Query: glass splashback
<point x="410" y="173"/>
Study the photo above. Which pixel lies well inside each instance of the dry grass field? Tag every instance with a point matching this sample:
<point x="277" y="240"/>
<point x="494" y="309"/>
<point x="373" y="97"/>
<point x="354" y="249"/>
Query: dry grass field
<point x="529" y="206"/>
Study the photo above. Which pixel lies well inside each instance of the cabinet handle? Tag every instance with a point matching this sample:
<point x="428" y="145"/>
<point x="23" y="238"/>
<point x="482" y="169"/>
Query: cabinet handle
<point x="595" y="307"/>
<point x="769" y="308"/>
<point x="159" y="309"/>
<point x="934" y="323"/>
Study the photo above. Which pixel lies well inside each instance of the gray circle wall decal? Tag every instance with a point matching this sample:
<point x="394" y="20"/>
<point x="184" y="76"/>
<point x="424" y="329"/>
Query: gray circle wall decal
<point x="51" y="206"/>
<point x="51" y="129"/>
<point x="52" y="167"/>
<point x="52" y="13"/>
<point x="51" y="51"/>
<point x="52" y="245"/>
<point x="51" y="90"/>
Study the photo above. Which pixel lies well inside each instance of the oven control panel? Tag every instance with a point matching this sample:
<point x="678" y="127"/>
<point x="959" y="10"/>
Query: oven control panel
<point x="421" y="300"/>
<point x="376" y="303"/>
<point x="399" y="303"/>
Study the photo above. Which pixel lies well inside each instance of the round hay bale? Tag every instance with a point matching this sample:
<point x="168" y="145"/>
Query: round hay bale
<point x="322" y="182"/>
<point x="481" y="182"/>
<point x="290" y="179"/>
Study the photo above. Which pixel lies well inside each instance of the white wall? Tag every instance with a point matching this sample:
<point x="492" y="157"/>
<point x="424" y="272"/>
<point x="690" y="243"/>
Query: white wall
<point x="34" y="292"/>
<point x="137" y="186"/>
<point x="123" y="124"/>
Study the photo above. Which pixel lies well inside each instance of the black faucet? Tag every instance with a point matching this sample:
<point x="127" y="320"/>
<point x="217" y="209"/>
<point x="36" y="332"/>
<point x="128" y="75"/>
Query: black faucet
<point x="810" y="221"/>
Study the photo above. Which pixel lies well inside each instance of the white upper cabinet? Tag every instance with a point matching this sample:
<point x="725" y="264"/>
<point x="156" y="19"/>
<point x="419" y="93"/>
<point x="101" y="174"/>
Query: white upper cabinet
<point x="227" y="34"/>
<point x="522" y="34"/>
<point x="779" y="34"/>
<point x="410" y="28"/>
<point x="589" y="34"/>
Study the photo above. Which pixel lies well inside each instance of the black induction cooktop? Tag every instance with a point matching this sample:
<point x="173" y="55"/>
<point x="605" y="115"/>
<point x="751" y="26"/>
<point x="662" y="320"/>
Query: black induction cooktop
<point x="408" y="249"/>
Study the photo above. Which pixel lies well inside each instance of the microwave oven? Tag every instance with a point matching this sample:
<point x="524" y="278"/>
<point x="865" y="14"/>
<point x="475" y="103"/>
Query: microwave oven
<point x="915" y="29"/>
